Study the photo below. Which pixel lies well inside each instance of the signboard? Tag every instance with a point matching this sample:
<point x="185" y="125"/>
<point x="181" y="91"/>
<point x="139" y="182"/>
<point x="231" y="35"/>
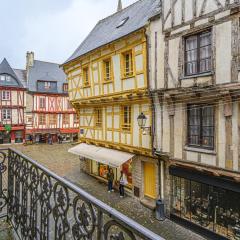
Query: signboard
<point x="8" y="128"/>
<point x="81" y="131"/>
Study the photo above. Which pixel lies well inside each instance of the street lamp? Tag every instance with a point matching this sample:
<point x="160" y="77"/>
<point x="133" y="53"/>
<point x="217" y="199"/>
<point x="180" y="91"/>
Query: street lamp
<point x="142" y="120"/>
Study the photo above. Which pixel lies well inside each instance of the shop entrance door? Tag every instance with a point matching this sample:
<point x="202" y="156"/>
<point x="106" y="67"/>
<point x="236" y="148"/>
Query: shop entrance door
<point x="149" y="180"/>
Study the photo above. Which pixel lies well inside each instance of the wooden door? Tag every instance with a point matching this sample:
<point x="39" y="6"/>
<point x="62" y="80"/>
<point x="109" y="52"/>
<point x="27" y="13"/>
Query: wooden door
<point x="149" y="180"/>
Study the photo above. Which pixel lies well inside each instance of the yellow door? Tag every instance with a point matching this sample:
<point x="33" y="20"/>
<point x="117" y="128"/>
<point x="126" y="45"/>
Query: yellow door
<point x="149" y="180"/>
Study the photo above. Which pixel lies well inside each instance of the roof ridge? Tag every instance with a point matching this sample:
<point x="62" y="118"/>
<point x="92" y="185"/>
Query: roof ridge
<point x="47" y="62"/>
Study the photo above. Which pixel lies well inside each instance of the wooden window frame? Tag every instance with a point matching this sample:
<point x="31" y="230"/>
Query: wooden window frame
<point x="64" y="120"/>
<point x="198" y="35"/>
<point x="98" y="117"/>
<point x="4" y="94"/>
<point x="40" y="105"/>
<point x="65" y="87"/>
<point x="126" y="126"/>
<point x="201" y="144"/>
<point x="130" y="72"/>
<point x="43" y="120"/>
<point x="86" y="76"/>
<point x="106" y="78"/>
<point x="52" y="119"/>
<point x="8" y="114"/>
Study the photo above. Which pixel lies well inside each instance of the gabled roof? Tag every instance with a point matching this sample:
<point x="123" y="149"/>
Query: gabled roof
<point x="45" y="71"/>
<point x="22" y="76"/>
<point x="5" y="68"/>
<point x="107" y="30"/>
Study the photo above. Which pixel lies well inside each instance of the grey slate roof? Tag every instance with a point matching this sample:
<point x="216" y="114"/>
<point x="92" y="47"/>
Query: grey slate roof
<point x="106" y="30"/>
<point x="22" y="76"/>
<point x="46" y="71"/>
<point x="5" y="68"/>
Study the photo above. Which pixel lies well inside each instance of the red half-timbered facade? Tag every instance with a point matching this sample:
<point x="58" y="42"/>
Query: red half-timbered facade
<point x="49" y="113"/>
<point x="12" y="105"/>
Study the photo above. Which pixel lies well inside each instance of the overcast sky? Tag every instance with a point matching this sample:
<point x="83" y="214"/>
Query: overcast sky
<point x="53" y="29"/>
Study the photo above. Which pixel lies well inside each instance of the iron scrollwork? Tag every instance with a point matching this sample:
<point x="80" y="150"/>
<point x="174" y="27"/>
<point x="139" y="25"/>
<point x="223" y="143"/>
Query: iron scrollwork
<point x="41" y="205"/>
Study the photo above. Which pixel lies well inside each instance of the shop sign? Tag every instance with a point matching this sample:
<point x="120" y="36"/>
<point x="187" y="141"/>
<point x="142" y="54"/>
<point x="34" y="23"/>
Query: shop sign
<point x="8" y="128"/>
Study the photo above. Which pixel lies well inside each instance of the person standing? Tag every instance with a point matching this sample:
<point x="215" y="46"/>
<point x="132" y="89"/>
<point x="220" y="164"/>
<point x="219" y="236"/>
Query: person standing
<point x="122" y="183"/>
<point x="110" y="178"/>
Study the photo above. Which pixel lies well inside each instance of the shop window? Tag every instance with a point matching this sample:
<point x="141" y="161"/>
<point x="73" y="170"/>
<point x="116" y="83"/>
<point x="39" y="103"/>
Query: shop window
<point x="127" y="64"/>
<point x="198" y="53"/>
<point x="201" y="126"/>
<point x="6" y="114"/>
<point x="5" y="95"/>
<point x="107" y="66"/>
<point x="42" y="119"/>
<point x="86" y="82"/>
<point x="126" y="118"/>
<point x="66" y="118"/>
<point x="98" y="117"/>
<point x="42" y="103"/>
<point x="18" y="137"/>
<point x="210" y="207"/>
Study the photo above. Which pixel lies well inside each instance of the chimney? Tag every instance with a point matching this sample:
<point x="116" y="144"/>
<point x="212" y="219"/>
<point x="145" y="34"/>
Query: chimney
<point x="29" y="60"/>
<point x="119" y="8"/>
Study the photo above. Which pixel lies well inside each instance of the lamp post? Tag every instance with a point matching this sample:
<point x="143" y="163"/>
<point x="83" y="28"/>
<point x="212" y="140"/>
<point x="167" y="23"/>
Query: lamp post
<point x="142" y="120"/>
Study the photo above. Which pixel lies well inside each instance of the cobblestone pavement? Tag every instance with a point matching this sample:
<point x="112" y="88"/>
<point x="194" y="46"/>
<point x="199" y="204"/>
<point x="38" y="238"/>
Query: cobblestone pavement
<point x="57" y="159"/>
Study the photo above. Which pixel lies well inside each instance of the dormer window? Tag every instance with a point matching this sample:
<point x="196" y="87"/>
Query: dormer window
<point x="46" y="86"/>
<point x="65" y="87"/>
<point x="5" y="78"/>
<point x="123" y="21"/>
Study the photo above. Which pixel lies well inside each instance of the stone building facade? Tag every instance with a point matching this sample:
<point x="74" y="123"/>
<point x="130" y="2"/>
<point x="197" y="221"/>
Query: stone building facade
<point x="195" y="87"/>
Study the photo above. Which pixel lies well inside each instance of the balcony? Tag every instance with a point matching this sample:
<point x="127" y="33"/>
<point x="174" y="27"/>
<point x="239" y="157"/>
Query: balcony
<point x="38" y="204"/>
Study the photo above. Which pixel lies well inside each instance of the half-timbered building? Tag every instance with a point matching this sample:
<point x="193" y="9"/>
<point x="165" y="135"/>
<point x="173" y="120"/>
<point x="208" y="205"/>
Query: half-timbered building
<point x="12" y="104"/>
<point x="195" y="59"/>
<point x="49" y="113"/>
<point x="108" y="87"/>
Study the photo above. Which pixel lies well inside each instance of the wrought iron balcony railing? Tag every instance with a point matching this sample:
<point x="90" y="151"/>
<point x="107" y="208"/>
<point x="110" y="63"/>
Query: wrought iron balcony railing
<point x="41" y="205"/>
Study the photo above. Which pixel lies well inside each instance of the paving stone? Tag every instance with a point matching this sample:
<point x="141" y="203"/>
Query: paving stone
<point x="67" y="165"/>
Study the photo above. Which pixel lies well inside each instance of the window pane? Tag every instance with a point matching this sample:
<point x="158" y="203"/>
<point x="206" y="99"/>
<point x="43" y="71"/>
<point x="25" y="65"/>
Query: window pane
<point x="196" y="202"/>
<point x="176" y="196"/>
<point x="194" y="125"/>
<point x="191" y="43"/>
<point x="205" y="39"/>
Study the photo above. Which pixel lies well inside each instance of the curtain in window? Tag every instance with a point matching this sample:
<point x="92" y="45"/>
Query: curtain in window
<point x="205" y="52"/>
<point x="194" y="125"/>
<point x="207" y="126"/>
<point x="191" y="55"/>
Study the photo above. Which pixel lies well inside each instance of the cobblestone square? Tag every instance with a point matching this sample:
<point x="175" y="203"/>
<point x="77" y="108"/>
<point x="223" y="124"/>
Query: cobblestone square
<point x="57" y="159"/>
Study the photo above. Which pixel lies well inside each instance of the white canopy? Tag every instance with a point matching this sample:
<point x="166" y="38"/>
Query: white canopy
<point x="113" y="158"/>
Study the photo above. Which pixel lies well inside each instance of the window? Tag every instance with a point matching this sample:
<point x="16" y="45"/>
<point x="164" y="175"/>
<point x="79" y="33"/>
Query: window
<point x="123" y="21"/>
<point x="47" y="85"/>
<point x="42" y="103"/>
<point x="107" y="70"/>
<point x="65" y="87"/>
<point x="198" y="53"/>
<point x="53" y="119"/>
<point x="127" y="64"/>
<point x="65" y="118"/>
<point x="6" y="114"/>
<point x="201" y="126"/>
<point x="126" y="118"/>
<point x="98" y="117"/>
<point x="206" y="205"/>
<point x="44" y="86"/>
<point x="5" y="95"/>
<point x="76" y="118"/>
<point x="69" y="105"/>
<point x="86" y="82"/>
<point x="42" y="119"/>
<point x="5" y="78"/>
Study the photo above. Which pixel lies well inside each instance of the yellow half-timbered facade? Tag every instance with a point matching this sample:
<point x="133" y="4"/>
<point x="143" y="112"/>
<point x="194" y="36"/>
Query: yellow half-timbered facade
<point x="108" y="87"/>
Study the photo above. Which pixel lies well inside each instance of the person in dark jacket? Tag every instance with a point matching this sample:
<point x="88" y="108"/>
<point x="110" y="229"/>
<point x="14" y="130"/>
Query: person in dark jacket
<point x="110" y="178"/>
